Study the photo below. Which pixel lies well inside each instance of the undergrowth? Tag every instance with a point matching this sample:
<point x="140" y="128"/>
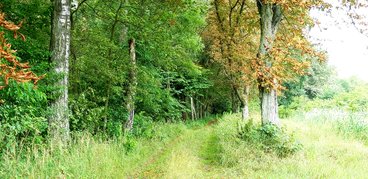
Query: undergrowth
<point x="270" y="138"/>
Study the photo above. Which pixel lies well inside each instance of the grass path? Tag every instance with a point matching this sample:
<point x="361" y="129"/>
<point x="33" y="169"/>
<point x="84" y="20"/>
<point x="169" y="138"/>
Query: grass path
<point x="192" y="155"/>
<point x="196" y="154"/>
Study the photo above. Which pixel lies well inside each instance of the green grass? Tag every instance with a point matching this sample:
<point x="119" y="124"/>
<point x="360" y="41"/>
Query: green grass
<point x="199" y="150"/>
<point x="325" y="153"/>
<point x="87" y="157"/>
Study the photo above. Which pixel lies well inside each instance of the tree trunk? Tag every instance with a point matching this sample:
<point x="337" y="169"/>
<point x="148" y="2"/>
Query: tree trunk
<point x="269" y="107"/>
<point x="270" y="18"/>
<point x="244" y="102"/>
<point x="234" y="101"/>
<point x="243" y="95"/>
<point x="192" y="107"/>
<point x="131" y="86"/>
<point x="60" y="45"/>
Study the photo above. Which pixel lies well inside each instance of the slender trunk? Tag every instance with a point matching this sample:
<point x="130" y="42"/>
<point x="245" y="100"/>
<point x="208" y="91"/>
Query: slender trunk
<point x="131" y="86"/>
<point x="270" y="18"/>
<point x="243" y="95"/>
<point x="245" y="107"/>
<point x="59" y="120"/>
<point x="192" y="107"/>
<point x="106" y="114"/>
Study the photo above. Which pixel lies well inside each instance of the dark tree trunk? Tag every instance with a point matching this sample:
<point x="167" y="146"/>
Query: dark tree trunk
<point x="131" y="86"/>
<point x="60" y="45"/>
<point x="270" y="18"/>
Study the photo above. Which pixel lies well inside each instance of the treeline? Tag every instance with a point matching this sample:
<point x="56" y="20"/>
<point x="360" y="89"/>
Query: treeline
<point x="111" y="64"/>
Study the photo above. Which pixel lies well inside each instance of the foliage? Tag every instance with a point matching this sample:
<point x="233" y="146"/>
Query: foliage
<point x="10" y="67"/>
<point x="86" y="115"/>
<point x="167" y="46"/>
<point x="22" y="116"/>
<point x="22" y="108"/>
<point x="269" y="138"/>
<point x="349" y="95"/>
<point x="311" y="85"/>
<point x="231" y="39"/>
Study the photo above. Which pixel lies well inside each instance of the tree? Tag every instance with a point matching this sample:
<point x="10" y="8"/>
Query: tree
<point x="310" y="85"/>
<point x="277" y="58"/>
<point x="232" y="43"/>
<point x="60" y="45"/>
<point x="10" y="67"/>
<point x="270" y="18"/>
<point x="132" y="86"/>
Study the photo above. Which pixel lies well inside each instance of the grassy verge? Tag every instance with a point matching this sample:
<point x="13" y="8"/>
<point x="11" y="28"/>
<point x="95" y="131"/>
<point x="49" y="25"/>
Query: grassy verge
<point x="87" y="157"/>
<point x="202" y="149"/>
<point x="324" y="155"/>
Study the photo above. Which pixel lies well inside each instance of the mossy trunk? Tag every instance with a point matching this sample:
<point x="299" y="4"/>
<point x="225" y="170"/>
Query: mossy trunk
<point x="60" y="46"/>
<point x="270" y="18"/>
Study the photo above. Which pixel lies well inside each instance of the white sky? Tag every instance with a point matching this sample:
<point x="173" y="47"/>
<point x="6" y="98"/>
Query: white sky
<point x="347" y="48"/>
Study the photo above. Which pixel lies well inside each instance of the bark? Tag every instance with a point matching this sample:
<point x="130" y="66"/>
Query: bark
<point x="244" y="102"/>
<point x="243" y="96"/>
<point x="131" y="86"/>
<point x="234" y="101"/>
<point x="269" y="107"/>
<point x="192" y="107"/>
<point x="270" y="18"/>
<point x="60" y="45"/>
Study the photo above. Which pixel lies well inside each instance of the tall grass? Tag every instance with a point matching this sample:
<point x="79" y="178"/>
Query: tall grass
<point x="333" y="147"/>
<point x="324" y="155"/>
<point x="352" y="125"/>
<point x="86" y="157"/>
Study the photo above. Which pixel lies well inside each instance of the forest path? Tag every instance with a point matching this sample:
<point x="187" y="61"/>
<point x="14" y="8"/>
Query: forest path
<point x="194" y="154"/>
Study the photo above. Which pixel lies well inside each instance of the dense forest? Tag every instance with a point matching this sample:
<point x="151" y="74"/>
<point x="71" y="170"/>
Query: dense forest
<point x="176" y="89"/>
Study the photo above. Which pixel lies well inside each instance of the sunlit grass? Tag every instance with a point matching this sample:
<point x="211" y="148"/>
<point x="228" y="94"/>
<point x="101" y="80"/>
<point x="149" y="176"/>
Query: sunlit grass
<point x="325" y="154"/>
<point x="199" y="150"/>
<point x="86" y="157"/>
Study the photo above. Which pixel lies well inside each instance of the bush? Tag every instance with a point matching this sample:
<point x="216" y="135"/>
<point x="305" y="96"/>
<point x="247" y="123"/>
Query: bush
<point x="22" y="115"/>
<point x="86" y="115"/>
<point x="143" y="126"/>
<point x="269" y="138"/>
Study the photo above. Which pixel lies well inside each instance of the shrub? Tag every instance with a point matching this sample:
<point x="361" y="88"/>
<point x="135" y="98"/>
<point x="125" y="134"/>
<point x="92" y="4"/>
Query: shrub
<point x="143" y="126"/>
<point x="269" y="138"/>
<point x="22" y="115"/>
<point x="86" y="115"/>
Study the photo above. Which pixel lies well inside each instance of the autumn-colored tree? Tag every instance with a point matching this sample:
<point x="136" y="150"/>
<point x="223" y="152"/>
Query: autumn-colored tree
<point x="10" y="67"/>
<point x="282" y="44"/>
<point x="233" y="43"/>
<point x="271" y="59"/>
